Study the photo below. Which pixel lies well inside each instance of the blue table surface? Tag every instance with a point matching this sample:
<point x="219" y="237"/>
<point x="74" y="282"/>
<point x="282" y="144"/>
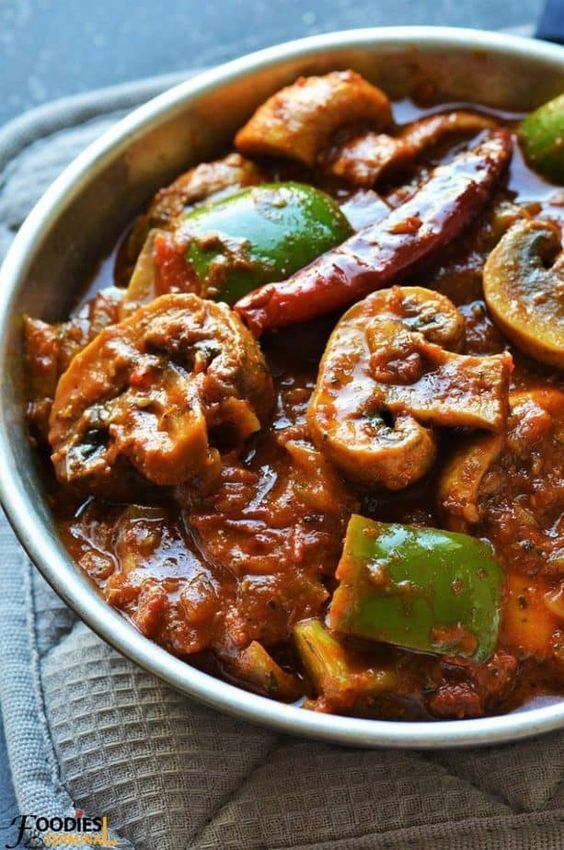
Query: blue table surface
<point x="51" y="48"/>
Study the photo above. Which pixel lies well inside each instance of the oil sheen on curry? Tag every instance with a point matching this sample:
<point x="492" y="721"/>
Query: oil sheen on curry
<point x="309" y="437"/>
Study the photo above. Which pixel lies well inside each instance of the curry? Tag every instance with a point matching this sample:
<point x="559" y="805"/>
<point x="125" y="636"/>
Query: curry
<point x="310" y="436"/>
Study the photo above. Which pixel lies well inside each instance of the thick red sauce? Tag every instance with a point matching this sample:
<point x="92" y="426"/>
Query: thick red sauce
<point x="204" y="575"/>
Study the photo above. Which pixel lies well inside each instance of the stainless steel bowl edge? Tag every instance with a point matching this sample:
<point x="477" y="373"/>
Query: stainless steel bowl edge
<point x="77" y="217"/>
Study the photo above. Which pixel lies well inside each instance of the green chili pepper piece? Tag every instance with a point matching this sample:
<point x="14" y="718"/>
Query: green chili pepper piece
<point x="419" y="588"/>
<point x="542" y="139"/>
<point x="259" y="235"/>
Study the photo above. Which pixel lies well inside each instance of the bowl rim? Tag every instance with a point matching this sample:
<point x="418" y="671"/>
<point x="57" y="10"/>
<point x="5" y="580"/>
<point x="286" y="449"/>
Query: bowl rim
<point x="50" y="556"/>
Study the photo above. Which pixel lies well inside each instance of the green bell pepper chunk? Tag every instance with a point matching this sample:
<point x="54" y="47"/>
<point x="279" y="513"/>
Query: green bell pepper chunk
<point x="258" y="669"/>
<point x="260" y="235"/>
<point x="419" y="588"/>
<point x="331" y="671"/>
<point x="542" y="139"/>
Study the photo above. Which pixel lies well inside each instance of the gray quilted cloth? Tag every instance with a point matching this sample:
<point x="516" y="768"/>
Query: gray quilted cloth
<point x="86" y="728"/>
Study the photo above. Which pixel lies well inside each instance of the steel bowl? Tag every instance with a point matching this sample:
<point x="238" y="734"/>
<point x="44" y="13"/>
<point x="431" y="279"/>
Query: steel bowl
<point x="86" y="208"/>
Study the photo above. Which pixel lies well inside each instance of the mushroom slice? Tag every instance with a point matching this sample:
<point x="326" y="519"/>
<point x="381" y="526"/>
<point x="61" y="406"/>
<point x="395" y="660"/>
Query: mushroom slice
<point x="511" y="490"/>
<point x="524" y="289"/>
<point x="49" y="349"/>
<point x="461" y="477"/>
<point x="144" y="395"/>
<point x="365" y="157"/>
<point x="388" y="373"/>
<point x="298" y="121"/>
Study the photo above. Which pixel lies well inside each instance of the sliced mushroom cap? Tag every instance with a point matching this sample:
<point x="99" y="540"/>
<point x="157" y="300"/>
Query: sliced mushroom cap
<point x="49" y="349"/>
<point x="430" y="130"/>
<point x="510" y="489"/>
<point x="144" y="395"/>
<point x="298" y="121"/>
<point x="461" y="477"/>
<point x="388" y="373"/>
<point x="524" y="289"/>
<point x="365" y="157"/>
